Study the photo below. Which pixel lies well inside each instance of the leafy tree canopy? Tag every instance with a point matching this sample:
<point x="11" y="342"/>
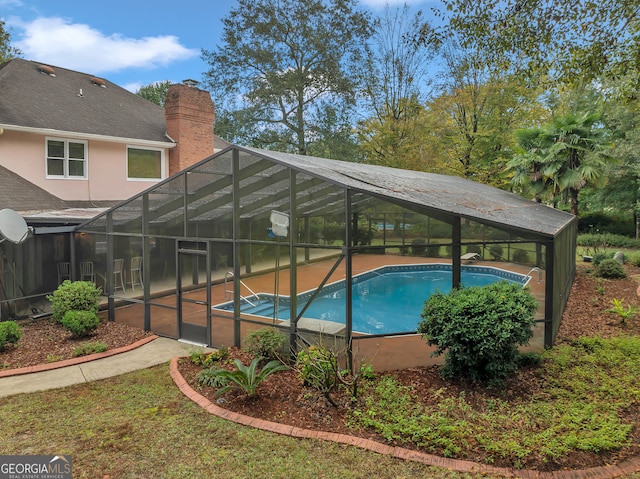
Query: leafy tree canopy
<point x="155" y="92"/>
<point x="568" y="40"/>
<point x="282" y="60"/>
<point x="7" y="52"/>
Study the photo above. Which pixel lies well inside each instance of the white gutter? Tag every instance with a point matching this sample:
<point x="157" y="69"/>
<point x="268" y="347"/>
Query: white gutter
<point x="89" y="136"/>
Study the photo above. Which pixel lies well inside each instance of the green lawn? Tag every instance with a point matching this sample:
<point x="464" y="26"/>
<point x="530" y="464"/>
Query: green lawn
<point x="140" y="426"/>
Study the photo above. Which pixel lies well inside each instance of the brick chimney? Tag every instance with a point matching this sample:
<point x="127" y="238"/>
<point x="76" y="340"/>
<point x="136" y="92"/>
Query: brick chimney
<point x="190" y="116"/>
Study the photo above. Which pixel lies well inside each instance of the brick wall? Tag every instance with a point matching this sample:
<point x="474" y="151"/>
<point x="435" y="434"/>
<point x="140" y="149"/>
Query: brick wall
<point x="190" y="116"/>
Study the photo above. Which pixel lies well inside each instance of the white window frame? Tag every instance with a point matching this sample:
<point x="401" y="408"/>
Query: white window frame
<point x="163" y="172"/>
<point x="65" y="159"/>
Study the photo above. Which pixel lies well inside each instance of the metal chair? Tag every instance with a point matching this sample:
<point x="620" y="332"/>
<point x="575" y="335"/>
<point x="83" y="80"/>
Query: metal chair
<point x="118" y="270"/>
<point x="86" y="271"/>
<point x="136" y="272"/>
<point x="64" y="272"/>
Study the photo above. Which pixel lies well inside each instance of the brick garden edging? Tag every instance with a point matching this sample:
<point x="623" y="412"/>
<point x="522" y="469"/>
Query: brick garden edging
<point x="627" y="466"/>
<point x="73" y="361"/>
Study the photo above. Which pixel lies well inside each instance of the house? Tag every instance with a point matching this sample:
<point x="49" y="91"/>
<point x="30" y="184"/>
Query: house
<point x="73" y="144"/>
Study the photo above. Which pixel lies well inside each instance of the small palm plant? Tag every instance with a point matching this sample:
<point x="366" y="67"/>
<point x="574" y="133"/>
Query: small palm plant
<point x="245" y="378"/>
<point x="619" y="309"/>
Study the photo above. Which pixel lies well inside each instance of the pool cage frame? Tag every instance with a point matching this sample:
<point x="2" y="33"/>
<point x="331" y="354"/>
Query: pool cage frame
<point x="216" y="215"/>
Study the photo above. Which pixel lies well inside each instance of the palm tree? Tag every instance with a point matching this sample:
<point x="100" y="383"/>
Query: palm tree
<point x="561" y="158"/>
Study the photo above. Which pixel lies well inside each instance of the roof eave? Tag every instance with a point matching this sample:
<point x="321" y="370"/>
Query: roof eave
<point x="89" y="136"/>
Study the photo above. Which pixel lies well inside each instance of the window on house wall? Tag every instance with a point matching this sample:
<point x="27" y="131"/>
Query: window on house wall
<point x="144" y="164"/>
<point x="66" y="158"/>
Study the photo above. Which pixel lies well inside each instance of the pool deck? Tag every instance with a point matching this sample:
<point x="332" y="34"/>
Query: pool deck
<point x="385" y="353"/>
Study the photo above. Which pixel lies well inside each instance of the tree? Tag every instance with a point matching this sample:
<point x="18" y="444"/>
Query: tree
<point x="7" y="52"/>
<point x="397" y="72"/>
<point x="476" y="113"/>
<point x="155" y="92"/>
<point x="566" y="40"/>
<point x="282" y="60"/>
<point x="563" y="157"/>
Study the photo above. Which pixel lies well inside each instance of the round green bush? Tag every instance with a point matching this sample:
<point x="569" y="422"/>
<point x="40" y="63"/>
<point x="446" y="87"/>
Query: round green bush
<point x="317" y="367"/>
<point x="495" y="250"/>
<point x="80" y="323"/>
<point x="520" y="256"/>
<point x="10" y="332"/>
<point x="265" y="343"/>
<point x="74" y="296"/>
<point x="634" y="258"/>
<point x="418" y="247"/>
<point x="601" y="256"/>
<point x="611" y="269"/>
<point x="479" y="328"/>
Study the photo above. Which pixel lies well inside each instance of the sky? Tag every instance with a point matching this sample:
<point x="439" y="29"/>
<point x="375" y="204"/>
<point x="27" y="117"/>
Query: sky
<point x="131" y="43"/>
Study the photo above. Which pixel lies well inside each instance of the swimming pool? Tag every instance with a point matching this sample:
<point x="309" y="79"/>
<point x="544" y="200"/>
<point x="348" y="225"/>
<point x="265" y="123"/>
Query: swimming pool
<point x="385" y="300"/>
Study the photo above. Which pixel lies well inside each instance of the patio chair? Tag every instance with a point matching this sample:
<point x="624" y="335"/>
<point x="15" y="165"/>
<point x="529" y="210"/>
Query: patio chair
<point x="118" y="275"/>
<point x="136" y="272"/>
<point x="86" y="271"/>
<point x="220" y="259"/>
<point x="471" y="257"/>
<point x="64" y="272"/>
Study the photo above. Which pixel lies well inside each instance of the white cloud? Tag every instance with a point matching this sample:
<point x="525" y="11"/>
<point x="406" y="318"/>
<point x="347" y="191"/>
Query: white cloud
<point x="79" y="47"/>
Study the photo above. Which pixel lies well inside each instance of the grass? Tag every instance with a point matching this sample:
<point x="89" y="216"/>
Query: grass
<point x="588" y="386"/>
<point x="140" y="425"/>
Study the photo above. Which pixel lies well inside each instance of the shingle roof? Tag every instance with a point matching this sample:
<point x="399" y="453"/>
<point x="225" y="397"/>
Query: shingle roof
<point x="30" y="200"/>
<point x="74" y="102"/>
<point x="442" y="193"/>
<point x="22" y="195"/>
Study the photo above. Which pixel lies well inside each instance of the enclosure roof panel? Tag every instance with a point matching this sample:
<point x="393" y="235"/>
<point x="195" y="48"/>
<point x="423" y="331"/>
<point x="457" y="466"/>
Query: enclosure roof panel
<point x="446" y="194"/>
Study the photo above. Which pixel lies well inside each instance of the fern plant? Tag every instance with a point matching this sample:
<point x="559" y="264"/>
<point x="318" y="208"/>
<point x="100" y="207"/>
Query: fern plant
<point x="245" y="378"/>
<point x="619" y="309"/>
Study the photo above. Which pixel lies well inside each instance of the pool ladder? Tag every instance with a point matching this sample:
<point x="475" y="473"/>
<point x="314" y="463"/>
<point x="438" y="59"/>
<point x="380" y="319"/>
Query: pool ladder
<point x="229" y="292"/>
<point x="539" y="273"/>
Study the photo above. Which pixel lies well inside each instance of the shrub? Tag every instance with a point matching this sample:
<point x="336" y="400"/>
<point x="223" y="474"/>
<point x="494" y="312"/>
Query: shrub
<point x="200" y="358"/>
<point x="634" y="258"/>
<point x="10" y="332"/>
<point x="478" y="329"/>
<point x="244" y="378"/>
<point x="601" y="256"/>
<point x="74" y="296"/>
<point x="433" y="250"/>
<point x="607" y="240"/>
<point x="495" y="250"/>
<point x="80" y="323"/>
<point x="89" y="348"/>
<point x="317" y="366"/>
<point x="418" y="247"/>
<point x="265" y="343"/>
<point x="610" y="268"/>
<point x="520" y="256"/>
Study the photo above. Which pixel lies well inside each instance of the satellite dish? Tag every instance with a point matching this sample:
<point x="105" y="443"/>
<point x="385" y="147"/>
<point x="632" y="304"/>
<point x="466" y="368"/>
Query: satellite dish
<point x="13" y="227"/>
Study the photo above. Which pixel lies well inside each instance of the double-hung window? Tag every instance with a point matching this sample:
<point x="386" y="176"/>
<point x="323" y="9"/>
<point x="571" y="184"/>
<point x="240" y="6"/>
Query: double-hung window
<point x="145" y="164"/>
<point x="66" y="158"/>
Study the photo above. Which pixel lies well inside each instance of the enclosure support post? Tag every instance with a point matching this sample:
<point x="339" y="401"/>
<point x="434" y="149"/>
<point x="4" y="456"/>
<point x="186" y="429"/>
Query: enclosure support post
<point x="236" y="249"/>
<point x="347" y="251"/>
<point x="146" y="262"/>
<point x="293" y="262"/>
<point x="549" y="300"/>
<point x="456" y="251"/>
<point x="109" y="278"/>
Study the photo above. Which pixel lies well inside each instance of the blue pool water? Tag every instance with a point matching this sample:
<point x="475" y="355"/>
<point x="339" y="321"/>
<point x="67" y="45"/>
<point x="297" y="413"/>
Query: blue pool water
<point x="385" y="300"/>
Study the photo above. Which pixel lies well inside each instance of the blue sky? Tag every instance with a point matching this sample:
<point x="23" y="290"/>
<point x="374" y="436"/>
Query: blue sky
<point x="131" y="43"/>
